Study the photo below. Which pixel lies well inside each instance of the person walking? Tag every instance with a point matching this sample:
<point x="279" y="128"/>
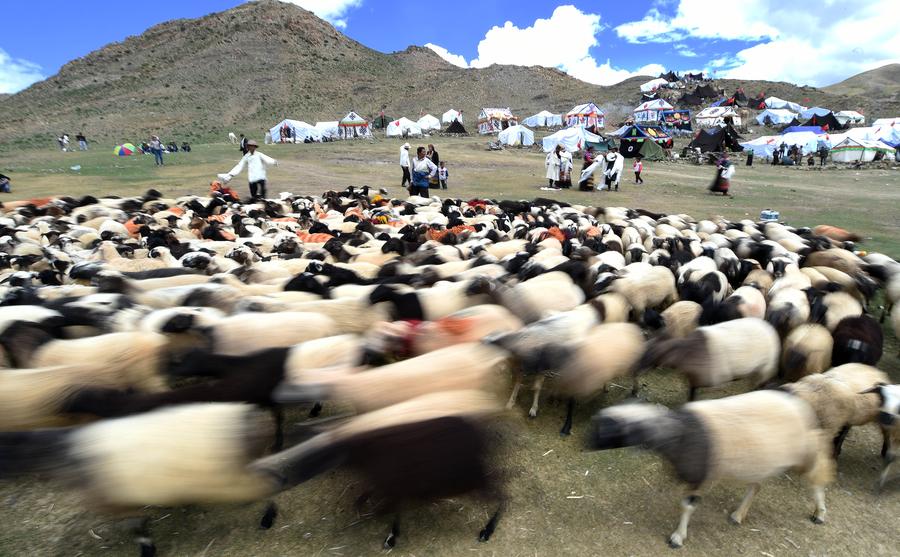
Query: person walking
<point x="638" y="167"/>
<point x="552" y="163"/>
<point x="65" y="142"/>
<point x="443" y="175"/>
<point x="406" y="180"/>
<point x="724" y="172"/>
<point x="255" y="163"/>
<point x="422" y="170"/>
<point x="82" y="141"/>
<point x="432" y="154"/>
<point x="156" y="148"/>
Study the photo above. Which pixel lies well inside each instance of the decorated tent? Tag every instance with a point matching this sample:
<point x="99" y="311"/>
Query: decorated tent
<point x="573" y="139"/>
<point x="516" y="136"/>
<point x="719" y="139"/>
<point x="450" y="116"/>
<point x="456" y="127"/>
<point x="404" y="127"/>
<point x="329" y="130"/>
<point x="808" y="113"/>
<point x="125" y="150"/>
<point x="353" y="126"/>
<point x="847" y="117"/>
<point x="493" y="120"/>
<point x="543" y="119"/>
<point x="587" y="115"/>
<point x="651" y="112"/>
<point x="653" y="85"/>
<point x="775" y="117"/>
<point x="632" y="139"/>
<point x="775" y="102"/>
<point x="717" y="116"/>
<point x="859" y="150"/>
<point x="429" y="122"/>
<point x="827" y="122"/>
<point x="679" y="120"/>
<point x="298" y="132"/>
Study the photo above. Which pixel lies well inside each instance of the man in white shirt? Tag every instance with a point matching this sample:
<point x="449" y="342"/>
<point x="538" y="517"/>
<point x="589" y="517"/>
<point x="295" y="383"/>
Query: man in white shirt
<point x="256" y="170"/>
<point x="422" y="170"/>
<point x="404" y="165"/>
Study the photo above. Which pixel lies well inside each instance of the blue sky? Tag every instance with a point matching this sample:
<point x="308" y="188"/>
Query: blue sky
<point x="599" y="41"/>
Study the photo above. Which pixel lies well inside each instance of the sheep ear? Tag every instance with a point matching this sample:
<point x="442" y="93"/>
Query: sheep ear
<point x="876" y="388"/>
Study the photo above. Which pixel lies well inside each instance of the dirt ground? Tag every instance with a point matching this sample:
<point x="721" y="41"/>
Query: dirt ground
<point x="563" y="499"/>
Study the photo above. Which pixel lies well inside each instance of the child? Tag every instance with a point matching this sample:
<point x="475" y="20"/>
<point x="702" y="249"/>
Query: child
<point x="638" y="167"/>
<point x="443" y="175"/>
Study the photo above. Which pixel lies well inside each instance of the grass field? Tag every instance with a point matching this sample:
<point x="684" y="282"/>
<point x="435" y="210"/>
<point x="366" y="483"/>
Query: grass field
<point x="563" y="500"/>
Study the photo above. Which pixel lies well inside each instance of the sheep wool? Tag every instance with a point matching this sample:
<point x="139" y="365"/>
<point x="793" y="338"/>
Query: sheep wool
<point x="245" y="333"/>
<point x="807" y="350"/>
<point x="608" y="351"/>
<point x="681" y="318"/>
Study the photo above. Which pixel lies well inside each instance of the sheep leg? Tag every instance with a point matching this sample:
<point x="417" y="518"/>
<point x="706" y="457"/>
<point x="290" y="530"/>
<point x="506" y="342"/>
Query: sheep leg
<point x="839" y="440"/>
<point x="489" y="528"/>
<point x="688" y="505"/>
<point x="515" y="392"/>
<point x="269" y="515"/>
<point x="889" y="460"/>
<point x="570" y="413"/>
<point x="315" y="410"/>
<point x="692" y="393"/>
<point x="538" y="384"/>
<point x="391" y="540"/>
<point x="819" y="496"/>
<point x="740" y="513"/>
<point x="140" y="527"/>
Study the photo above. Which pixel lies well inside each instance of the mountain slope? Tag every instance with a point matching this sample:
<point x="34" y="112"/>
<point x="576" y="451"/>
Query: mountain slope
<point x="882" y="82"/>
<point x="244" y="69"/>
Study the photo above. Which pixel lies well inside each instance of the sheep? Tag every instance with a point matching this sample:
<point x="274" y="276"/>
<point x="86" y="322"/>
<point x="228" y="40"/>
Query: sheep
<point x="839" y="399"/>
<point x="895" y="321"/>
<point x="787" y="309"/>
<point x="677" y="321"/>
<point x="349" y="314"/>
<point x="748" y="437"/>
<point x="857" y="340"/>
<point x="840" y="259"/>
<point x="532" y="299"/>
<point x="458" y="367"/>
<point x="836" y="306"/>
<point x="717" y="354"/>
<point x="761" y="279"/>
<point x="807" y="350"/>
<point x="431" y="447"/>
<point x="889" y="419"/>
<point x="835" y="233"/>
<point x="647" y="290"/>
<point x="426" y="304"/>
<point x="699" y="286"/>
<point x="746" y="301"/>
<point x="198" y="453"/>
<point x="241" y="334"/>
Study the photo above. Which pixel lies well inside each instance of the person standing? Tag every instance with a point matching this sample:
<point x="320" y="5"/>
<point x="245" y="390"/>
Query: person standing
<point x="422" y="170"/>
<point x="823" y="154"/>
<point x="443" y="175"/>
<point x="615" y="163"/>
<point x="242" y="145"/>
<point x="82" y="141"/>
<point x="565" y="169"/>
<point x="406" y="180"/>
<point x="65" y="142"/>
<point x="638" y="167"/>
<point x="157" y="149"/>
<point x="5" y="186"/>
<point x="432" y="154"/>
<point x="552" y="162"/>
<point x="255" y="163"/>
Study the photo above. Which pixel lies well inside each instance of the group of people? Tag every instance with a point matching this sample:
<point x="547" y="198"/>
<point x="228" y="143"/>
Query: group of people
<point x="611" y="165"/>
<point x="425" y="171"/>
<point x="63" y="141"/>
<point x="793" y="155"/>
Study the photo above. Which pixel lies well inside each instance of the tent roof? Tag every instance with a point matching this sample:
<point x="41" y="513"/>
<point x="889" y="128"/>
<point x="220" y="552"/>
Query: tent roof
<point x="429" y="122"/>
<point x="814" y="129"/>
<point x="455" y="127"/>
<point x="658" y="104"/>
<point x="497" y="113"/>
<point x="586" y="108"/>
<point x="653" y="84"/>
<point x="353" y="119"/>
<point x="716" y="112"/>
<point x="644" y="147"/>
<point x="705" y="92"/>
<point x="573" y="139"/>
<point x="828" y="121"/>
<point x="723" y="138"/>
<point x="814" y="111"/>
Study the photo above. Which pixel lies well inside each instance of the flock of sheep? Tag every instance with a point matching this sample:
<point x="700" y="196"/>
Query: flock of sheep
<point x="151" y="345"/>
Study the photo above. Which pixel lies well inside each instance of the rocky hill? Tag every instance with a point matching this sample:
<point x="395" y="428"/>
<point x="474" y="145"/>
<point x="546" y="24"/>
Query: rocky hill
<point x="244" y="69"/>
<point x="883" y="82"/>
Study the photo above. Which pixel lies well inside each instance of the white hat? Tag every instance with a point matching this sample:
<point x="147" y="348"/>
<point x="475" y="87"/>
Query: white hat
<point x="405" y="146"/>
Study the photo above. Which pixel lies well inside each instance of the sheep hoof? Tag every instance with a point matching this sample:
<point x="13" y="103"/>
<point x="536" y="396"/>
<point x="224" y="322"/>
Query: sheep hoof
<point x="816" y="519"/>
<point x="565" y="432"/>
<point x="676" y="541"/>
<point x="735" y="519"/>
<point x="390" y="541"/>
<point x="148" y="549"/>
<point x="268" y="518"/>
<point x="532" y="413"/>
<point x="484" y="535"/>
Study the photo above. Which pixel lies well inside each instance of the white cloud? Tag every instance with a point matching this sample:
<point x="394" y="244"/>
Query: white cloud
<point x="685" y="50"/>
<point x="806" y="46"/>
<point x="455" y="59"/>
<point x="332" y="11"/>
<point x="17" y="74"/>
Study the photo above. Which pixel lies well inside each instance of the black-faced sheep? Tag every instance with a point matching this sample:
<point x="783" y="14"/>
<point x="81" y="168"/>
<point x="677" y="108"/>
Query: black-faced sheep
<point x="749" y="438"/>
<point x="857" y="340"/>
<point x="676" y="321"/>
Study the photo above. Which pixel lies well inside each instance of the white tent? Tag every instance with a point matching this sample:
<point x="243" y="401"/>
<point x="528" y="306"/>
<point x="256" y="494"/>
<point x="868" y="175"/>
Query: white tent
<point x="329" y="130"/>
<point x="429" y="122"/>
<point x="299" y="131"/>
<point x="775" y="102"/>
<point x="620" y="132"/>
<point x="858" y="150"/>
<point x="573" y="139"/>
<point x="887" y="122"/>
<point x="653" y="85"/>
<point x="808" y="141"/>
<point x="886" y="131"/>
<point x="587" y="115"/>
<point x="775" y="116"/>
<point x="808" y="113"/>
<point x="849" y="117"/>
<point x="353" y="126"/>
<point x="651" y="111"/>
<point x="543" y="119"/>
<point x="516" y="136"/>
<point x="397" y="128"/>
<point x="762" y="146"/>
<point x="715" y="116"/>
<point x="451" y="115"/>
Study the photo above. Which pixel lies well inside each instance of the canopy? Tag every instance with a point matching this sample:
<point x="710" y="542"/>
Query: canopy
<point x="456" y="127"/>
<point x="643" y="147"/>
<point x="493" y="120"/>
<point x="516" y="136"/>
<point x="677" y="119"/>
<point x="653" y="85"/>
<point x="573" y="139"/>
<point x="403" y="126"/>
<point x="716" y="115"/>
<point x="298" y="132"/>
<point x="543" y="119"/>
<point x="651" y="111"/>
<point x="451" y="115"/>
<point x="125" y="149"/>
<point x="849" y="117"/>
<point x="775" y="102"/>
<point x="329" y="129"/>
<point x="648" y="132"/>
<point x="814" y="111"/>
<point x="587" y="115"/>
<point x="429" y="122"/>
<point x="858" y="150"/>
<point x="353" y="125"/>
<point x="774" y="117"/>
<point x="721" y="139"/>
